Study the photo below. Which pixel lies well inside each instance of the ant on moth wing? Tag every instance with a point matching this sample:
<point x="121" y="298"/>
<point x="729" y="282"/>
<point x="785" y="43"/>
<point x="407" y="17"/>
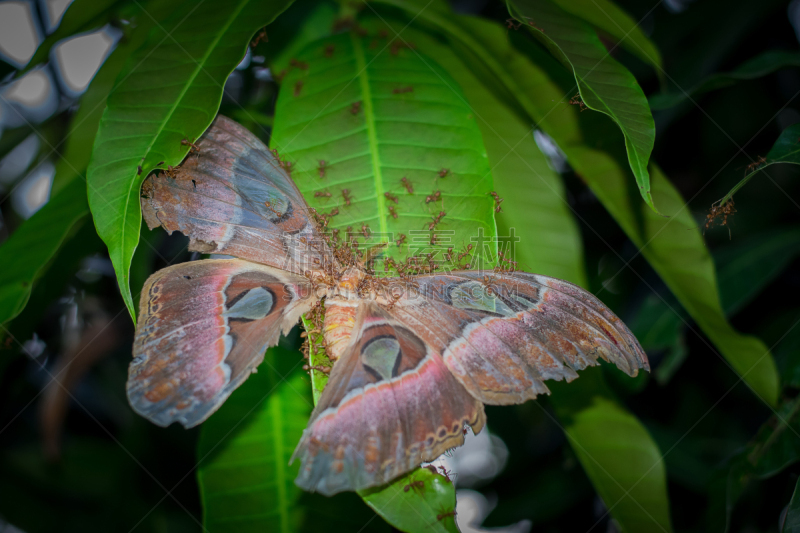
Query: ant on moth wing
<point x="720" y="212"/>
<point x="390" y="197"/>
<point x="407" y="185"/>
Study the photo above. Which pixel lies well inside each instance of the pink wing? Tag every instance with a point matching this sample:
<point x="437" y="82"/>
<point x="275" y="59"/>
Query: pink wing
<point x="390" y="404"/>
<point x="203" y="328"/>
<point x="233" y="197"/>
<point x="504" y="338"/>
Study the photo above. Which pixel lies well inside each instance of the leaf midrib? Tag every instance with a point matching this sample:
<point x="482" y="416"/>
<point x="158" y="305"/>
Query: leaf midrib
<point x="369" y="117"/>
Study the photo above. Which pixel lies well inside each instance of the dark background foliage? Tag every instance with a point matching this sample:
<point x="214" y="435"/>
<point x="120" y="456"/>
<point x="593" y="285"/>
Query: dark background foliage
<point x="111" y="470"/>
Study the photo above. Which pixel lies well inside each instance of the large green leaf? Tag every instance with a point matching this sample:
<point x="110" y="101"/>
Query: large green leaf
<point x="759" y="66"/>
<point x="785" y="150"/>
<point x="51" y="225"/>
<point x="169" y="91"/>
<point x="607" y="17"/>
<point x="744" y="268"/>
<point x="392" y="133"/>
<point x="674" y="246"/>
<point x="604" y="84"/>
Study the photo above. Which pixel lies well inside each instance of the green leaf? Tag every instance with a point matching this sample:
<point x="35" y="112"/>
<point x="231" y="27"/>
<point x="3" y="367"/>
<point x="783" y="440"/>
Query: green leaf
<point x="607" y="17"/>
<point x="619" y="456"/>
<point x="761" y="65"/>
<point x="245" y="447"/>
<point x="785" y="150"/>
<point x="549" y="243"/>
<point x="744" y="268"/>
<point x="48" y="228"/>
<point x="604" y="84"/>
<point x="343" y="110"/>
<point x="170" y="90"/>
<point x="368" y="149"/>
<point x="417" y="502"/>
<point x="52" y="225"/>
<point x="791" y="524"/>
<point x="81" y="16"/>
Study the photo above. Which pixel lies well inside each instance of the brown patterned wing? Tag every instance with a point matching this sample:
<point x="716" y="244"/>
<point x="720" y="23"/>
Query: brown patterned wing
<point x="504" y="338"/>
<point x="203" y="328"/>
<point x="390" y="404"/>
<point x="233" y="197"/>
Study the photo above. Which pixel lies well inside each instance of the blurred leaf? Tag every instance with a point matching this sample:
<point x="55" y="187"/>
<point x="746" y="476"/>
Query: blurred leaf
<point x="604" y="84"/>
<point x="419" y="501"/>
<point x="619" y="455"/>
<point x="81" y="16"/>
<point x="791" y="524"/>
<point x="761" y="65"/>
<point x="744" y="268"/>
<point x="52" y="224"/>
<point x="607" y="17"/>
<point x="535" y="208"/>
<point x="785" y="150"/>
<point x="170" y="90"/>
<point x="48" y="228"/>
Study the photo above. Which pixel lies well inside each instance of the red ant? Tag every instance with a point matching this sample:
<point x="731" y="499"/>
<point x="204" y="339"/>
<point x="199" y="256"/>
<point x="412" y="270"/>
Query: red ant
<point x="392" y="211"/>
<point x="444" y="172"/>
<point x="298" y="87"/>
<point x="355" y="108"/>
<point x="511" y="24"/>
<point x="720" y="212"/>
<point x="435" y="197"/>
<point x="407" y="185"/>
<point x="365" y="231"/>
<point x="497" y="202"/>
<point x="401" y="240"/>
<point x="754" y="165"/>
<point x="436" y="220"/>
<point x="322" y="194"/>
<point x="194" y="147"/>
<point x="329" y="50"/>
<point x="262" y="36"/>
<point x="414" y="484"/>
<point x="321" y="168"/>
<point x="302" y="65"/>
<point x="401" y="90"/>
<point x="576" y="100"/>
<point x="391" y="197"/>
<point x="346" y="196"/>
